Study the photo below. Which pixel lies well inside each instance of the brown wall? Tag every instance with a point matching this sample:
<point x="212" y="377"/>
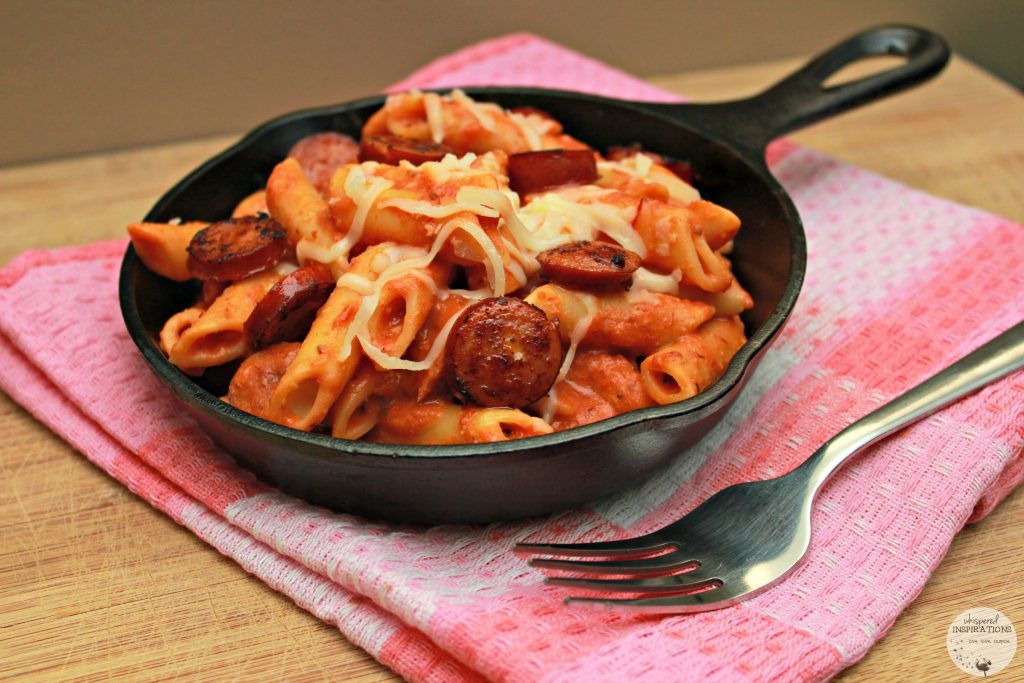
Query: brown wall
<point x="85" y="76"/>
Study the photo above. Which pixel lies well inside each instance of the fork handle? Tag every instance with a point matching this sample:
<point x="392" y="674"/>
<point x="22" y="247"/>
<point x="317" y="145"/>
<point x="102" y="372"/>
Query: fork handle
<point x="994" y="360"/>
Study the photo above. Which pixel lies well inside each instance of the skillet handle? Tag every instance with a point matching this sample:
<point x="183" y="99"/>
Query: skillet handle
<point x="801" y="98"/>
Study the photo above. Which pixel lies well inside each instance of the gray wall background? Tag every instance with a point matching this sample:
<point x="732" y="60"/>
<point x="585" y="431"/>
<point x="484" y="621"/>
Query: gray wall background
<point x="80" y="77"/>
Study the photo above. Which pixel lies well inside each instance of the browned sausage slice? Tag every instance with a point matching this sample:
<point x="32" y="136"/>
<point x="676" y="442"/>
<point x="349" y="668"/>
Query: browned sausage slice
<point x="504" y="352"/>
<point x="236" y="248"/>
<point x="286" y="312"/>
<point x="535" y="171"/>
<point x="321" y="154"/>
<point x="589" y="265"/>
<point x="390" y="149"/>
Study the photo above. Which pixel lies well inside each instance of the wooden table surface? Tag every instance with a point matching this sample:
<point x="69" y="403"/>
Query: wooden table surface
<point x="95" y="584"/>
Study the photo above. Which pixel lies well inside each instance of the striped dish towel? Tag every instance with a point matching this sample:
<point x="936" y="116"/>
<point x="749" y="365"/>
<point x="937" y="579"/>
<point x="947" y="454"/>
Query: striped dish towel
<point x="899" y="284"/>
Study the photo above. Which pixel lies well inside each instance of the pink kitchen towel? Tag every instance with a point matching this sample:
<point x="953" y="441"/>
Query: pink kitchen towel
<point x="899" y="284"/>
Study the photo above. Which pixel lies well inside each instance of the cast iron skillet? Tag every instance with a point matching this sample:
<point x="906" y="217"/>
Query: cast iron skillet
<point x="479" y="483"/>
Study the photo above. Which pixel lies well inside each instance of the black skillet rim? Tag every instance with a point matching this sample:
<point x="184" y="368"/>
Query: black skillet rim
<point x="741" y="363"/>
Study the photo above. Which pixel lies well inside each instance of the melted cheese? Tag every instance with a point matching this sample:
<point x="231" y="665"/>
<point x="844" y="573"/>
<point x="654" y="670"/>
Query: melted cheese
<point x="453" y="168"/>
<point x="364" y="194"/>
<point x="431" y="210"/>
<point x="475" y="294"/>
<point x="493" y="262"/>
<point x="644" y="168"/>
<point x="398" y="260"/>
<point x="364" y="191"/>
<point x="527" y="263"/>
<point x="646" y="280"/>
<point x="642" y="163"/>
<point x="307" y="251"/>
<point x="357" y="283"/>
<point x="477" y="109"/>
<point x="499" y="200"/>
<point x="547" y="405"/>
<point x="392" y="363"/>
<point x="285" y="268"/>
<point x="557" y="216"/>
<point x="435" y="116"/>
<point x="530" y="134"/>
<point x="586" y="391"/>
<point x="578" y="333"/>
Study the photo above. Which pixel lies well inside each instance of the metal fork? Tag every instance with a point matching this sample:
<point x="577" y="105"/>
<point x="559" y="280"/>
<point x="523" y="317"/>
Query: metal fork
<point x="749" y="536"/>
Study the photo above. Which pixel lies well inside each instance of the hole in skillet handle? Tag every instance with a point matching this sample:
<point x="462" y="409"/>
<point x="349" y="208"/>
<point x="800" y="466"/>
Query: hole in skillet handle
<point x="863" y="68"/>
<point x="809" y="95"/>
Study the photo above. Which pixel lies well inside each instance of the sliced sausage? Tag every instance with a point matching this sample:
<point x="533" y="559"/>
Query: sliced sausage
<point x="236" y="248"/>
<point x="321" y="154"/>
<point x="504" y="352"/>
<point x="210" y="291"/>
<point x="535" y="171"/>
<point x="390" y="149"/>
<point x="682" y="169"/>
<point x="589" y="265"/>
<point x="286" y="311"/>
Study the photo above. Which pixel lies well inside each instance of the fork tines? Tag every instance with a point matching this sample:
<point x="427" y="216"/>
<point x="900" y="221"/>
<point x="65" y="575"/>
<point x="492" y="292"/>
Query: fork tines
<point x="650" y="571"/>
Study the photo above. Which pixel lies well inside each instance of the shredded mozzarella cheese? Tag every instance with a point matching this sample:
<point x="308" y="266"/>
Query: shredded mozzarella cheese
<point x="307" y="251"/>
<point x="404" y="259"/>
<point x="392" y="363"/>
<point x="547" y="404"/>
<point x="642" y="163"/>
<point x="477" y="109"/>
<point x="423" y="208"/>
<point x="578" y="333"/>
<point x="435" y="116"/>
<point x="646" y="280"/>
<point x="530" y="134"/>
<point x="498" y="200"/>
<point x="559" y="218"/>
<point x="364" y="197"/>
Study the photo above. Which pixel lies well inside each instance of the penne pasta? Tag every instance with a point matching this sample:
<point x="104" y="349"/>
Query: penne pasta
<point x="257" y="376"/>
<point x="294" y="202"/>
<point x="692" y="364"/>
<point x="254" y="204"/>
<point x="358" y="409"/>
<point x="685" y="238"/>
<point x="403" y="308"/>
<point x="732" y="301"/>
<point x="483" y="425"/>
<point x="438" y="423"/>
<point x="177" y="325"/>
<point x="639" y="176"/>
<point x="329" y="354"/>
<point x="163" y="247"/>
<point x="636" y="322"/>
<point x="217" y="336"/>
<point x="614" y="377"/>
<point x="424" y="423"/>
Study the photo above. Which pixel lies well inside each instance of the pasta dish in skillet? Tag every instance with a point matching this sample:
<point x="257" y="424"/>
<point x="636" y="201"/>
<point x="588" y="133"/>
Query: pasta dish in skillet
<point x="462" y="274"/>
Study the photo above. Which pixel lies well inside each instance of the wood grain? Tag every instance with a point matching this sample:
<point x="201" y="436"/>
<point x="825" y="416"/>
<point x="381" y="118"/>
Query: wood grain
<point x="95" y="584"/>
